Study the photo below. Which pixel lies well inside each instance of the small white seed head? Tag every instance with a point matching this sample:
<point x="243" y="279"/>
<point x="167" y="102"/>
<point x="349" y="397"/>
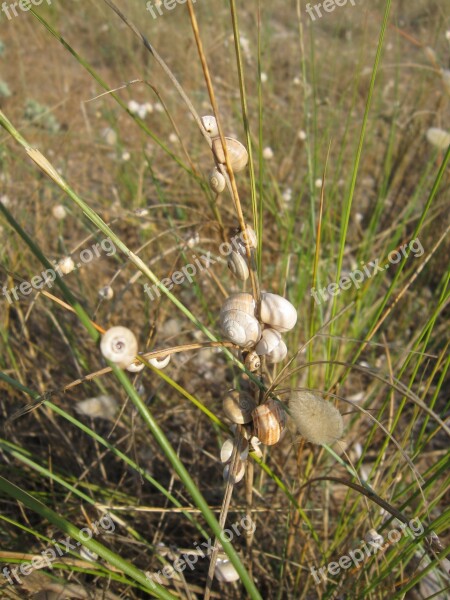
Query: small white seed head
<point x="317" y="420"/>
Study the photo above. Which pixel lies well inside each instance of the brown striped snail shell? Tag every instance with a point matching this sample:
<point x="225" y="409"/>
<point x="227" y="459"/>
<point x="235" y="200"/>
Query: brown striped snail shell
<point x="237" y="153"/>
<point x="269" y="421"/>
<point x="252" y="361"/>
<point x="238" y="266"/>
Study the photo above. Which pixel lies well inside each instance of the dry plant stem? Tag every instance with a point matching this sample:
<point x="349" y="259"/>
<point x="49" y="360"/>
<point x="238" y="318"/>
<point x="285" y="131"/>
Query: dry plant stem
<point x="224" y="510"/>
<point x="163" y="65"/>
<point x="235" y="194"/>
<point x="148" y="355"/>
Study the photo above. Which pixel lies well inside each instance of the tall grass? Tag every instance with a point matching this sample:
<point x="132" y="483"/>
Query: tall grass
<point x="356" y="83"/>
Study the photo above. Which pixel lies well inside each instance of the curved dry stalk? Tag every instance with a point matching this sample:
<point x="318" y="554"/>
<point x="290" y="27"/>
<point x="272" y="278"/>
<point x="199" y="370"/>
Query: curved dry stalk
<point x="235" y="193"/>
<point x="147" y="355"/>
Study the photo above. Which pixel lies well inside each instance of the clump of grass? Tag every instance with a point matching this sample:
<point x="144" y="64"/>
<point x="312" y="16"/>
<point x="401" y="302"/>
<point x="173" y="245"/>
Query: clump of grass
<point x="377" y="346"/>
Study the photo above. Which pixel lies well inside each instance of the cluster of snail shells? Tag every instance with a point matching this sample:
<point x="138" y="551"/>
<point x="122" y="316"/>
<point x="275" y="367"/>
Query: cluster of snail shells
<point x="119" y="345"/>
<point x="240" y="325"/>
<point x="236" y="151"/>
<point x="267" y="423"/>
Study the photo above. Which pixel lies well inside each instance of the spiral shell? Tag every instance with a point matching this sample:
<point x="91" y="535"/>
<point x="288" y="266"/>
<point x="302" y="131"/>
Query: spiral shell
<point x="238" y="406"/>
<point x="240" y="328"/>
<point x="119" y="345"/>
<point x="269" y="421"/>
<point x="209" y="122"/>
<point x="252" y="361"/>
<point x="237" y="153"/>
<point x="217" y="181"/>
<point x="238" y="321"/>
<point x="278" y="354"/>
<point x="238" y="266"/>
<point x="277" y="312"/>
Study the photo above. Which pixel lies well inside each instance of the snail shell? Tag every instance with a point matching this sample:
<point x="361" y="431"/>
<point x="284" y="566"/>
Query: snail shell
<point x="236" y="151"/>
<point x="277" y="312"/>
<point x="271" y="346"/>
<point x="240" y="328"/>
<point x="66" y="265"/>
<point x="119" y="345"/>
<point x="106" y="293"/>
<point x="269" y="420"/>
<point x="209" y="122"/>
<point x="238" y="321"/>
<point x="238" y="406"/>
<point x="239" y="474"/>
<point x="160" y="363"/>
<point x="226" y="451"/>
<point x="135" y="367"/>
<point x="217" y="181"/>
<point x="278" y="354"/>
<point x="238" y="266"/>
<point x="252" y="361"/>
<point x="242" y="237"/>
<point x="242" y="301"/>
<point x="224" y="570"/>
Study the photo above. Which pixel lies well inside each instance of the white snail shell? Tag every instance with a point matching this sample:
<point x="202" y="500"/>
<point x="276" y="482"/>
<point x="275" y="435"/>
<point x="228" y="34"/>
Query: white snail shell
<point x="238" y="266"/>
<point x="160" y="363"/>
<point x="226" y="451"/>
<point x="135" y="367"/>
<point x="269" y="420"/>
<point x="238" y="321"/>
<point x="238" y="406"/>
<point x="107" y="293"/>
<point x="271" y="346"/>
<point x="240" y="328"/>
<point x="224" y="570"/>
<point x="237" y="153"/>
<point x="66" y="265"/>
<point x="239" y="474"/>
<point x="210" y="124"/>
<point x="217" y="181"/>
<point x="119" y="345"/>
<point x="278" y="354"/>
<point x="277" y="312"/>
